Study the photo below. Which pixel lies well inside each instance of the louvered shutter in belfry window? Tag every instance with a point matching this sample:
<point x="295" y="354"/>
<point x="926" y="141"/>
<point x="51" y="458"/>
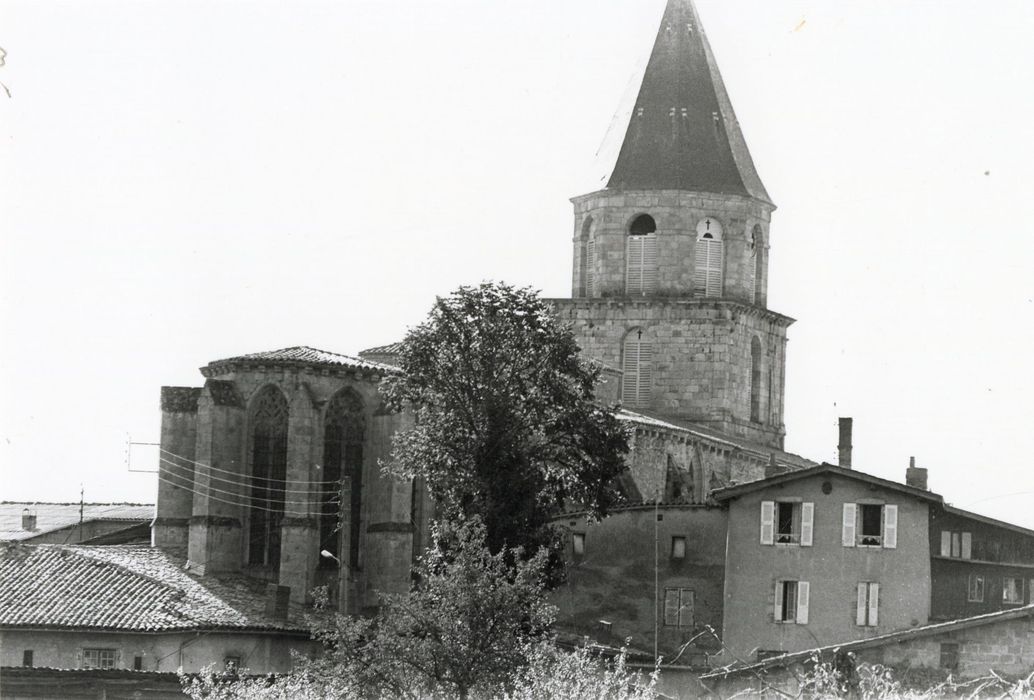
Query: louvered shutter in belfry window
<point x="649" y="264"/>
<point x="707" y="278"/>
<point x="752" y="277"/>
<point x="637" y="371"/>
<point x="590" y="267"/>
<point x="641" y="264"/>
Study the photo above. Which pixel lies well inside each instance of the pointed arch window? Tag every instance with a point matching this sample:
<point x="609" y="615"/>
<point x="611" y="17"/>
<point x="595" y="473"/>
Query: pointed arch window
<point x="637" y="370"/>
<point x="641" y="256"/>
<point x="709" y="259"/>
<point x="343" y="433"/>
<point x="755" y="379"/>
<point x="587" y="274"/>
<point x="268" y="454"/>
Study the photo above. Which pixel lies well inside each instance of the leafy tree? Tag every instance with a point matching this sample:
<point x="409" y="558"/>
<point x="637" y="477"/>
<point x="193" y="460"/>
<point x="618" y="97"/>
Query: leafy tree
<point x="507" y="426"/>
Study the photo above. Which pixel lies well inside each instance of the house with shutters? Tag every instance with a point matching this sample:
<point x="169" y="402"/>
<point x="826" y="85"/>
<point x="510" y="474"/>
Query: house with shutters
<point x="822" y="556"/>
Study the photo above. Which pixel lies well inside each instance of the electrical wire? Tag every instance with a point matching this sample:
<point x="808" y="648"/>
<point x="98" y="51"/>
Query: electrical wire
<point x="304" y="502"/>
<point x="233" y="473"/>
<point x="190" y="488"/>
<point x="246" y="480"/>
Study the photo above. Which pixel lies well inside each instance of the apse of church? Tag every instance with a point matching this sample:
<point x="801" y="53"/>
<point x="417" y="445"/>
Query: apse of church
<point x="670" y="271"/>
<point x="274" y="461"/>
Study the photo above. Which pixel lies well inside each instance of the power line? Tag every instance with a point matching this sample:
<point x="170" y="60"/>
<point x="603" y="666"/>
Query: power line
<point x="246" y="481"/>
<point x="190" y="488"/>
<point x="206" y="489"/>
<point x="233" y="473"/>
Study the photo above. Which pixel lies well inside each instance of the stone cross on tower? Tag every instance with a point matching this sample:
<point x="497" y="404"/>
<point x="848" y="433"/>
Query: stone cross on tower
<point x="671" y="256"/>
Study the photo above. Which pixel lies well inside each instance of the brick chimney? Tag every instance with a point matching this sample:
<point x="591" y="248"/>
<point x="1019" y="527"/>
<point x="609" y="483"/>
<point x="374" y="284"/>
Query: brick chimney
<point x="844" y="447"/>
<point x="28" y="520"/>
<point x="916" y="477"/>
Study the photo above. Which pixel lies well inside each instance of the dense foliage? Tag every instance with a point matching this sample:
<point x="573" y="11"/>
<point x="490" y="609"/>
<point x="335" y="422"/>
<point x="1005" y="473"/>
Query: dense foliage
<point x="507" y="427"/>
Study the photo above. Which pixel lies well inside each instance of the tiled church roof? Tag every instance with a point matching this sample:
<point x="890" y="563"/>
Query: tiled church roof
<point x="130" y="588"/>
<point x="300" y="356"/>
<point x="55" y="516"/>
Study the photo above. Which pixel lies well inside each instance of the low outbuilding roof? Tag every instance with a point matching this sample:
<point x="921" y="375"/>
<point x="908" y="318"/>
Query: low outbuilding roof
<point x="50" y="517"/>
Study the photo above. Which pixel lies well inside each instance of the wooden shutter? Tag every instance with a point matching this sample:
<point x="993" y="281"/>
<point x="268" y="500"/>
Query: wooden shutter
<point x="945" y="543"/>
<point x="707" y="275"/>
<point x="874" y="603"/>
<point x="637" y="372"/>
<point x="863" y="603"/>
<point x="967" y="545"/>
<point x="778" y="609"/>
<point x="890" y="527"/>
<point x="686" y="609"/>
<point x="767" y="522"/>
<point x="803" y="599"/>
<point x="850" y="517"/>
<point x="671" y="606"/>
<point x="807" y="523"/>
<point x="641" y="264"/>
<point x="649" y="264"/>
<point x="590" y="267"/>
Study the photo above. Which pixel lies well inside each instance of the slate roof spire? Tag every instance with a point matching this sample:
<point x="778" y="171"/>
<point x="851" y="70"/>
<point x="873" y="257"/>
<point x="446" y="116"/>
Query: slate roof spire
<point x="682" y="133"/>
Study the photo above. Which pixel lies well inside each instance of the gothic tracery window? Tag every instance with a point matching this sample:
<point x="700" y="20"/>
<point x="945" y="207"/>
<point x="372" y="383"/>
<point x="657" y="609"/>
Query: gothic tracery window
<point x="641" y="256"/>
<point x="343" y="431"/>
<point x="268" y="437"/>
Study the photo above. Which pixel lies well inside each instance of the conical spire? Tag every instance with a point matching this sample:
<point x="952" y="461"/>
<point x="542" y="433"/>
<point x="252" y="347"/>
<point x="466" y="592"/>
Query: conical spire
<point x="682" y="133"/>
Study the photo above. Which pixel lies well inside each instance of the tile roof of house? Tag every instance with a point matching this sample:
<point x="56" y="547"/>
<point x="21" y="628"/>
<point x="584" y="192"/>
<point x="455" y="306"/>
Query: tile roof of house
<point x="739" y="489"/>
<point x="57" y="516"/>
<point x="878" y="641"/>
<point x="390" y="349"/>
<point x="126" y="588"/>
<point x="299" y="356"/>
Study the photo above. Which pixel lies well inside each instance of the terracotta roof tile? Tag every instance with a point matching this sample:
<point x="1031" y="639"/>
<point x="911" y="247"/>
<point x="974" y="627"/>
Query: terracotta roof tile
<point x="297" y="356"/>
<point x="132" y="588"/>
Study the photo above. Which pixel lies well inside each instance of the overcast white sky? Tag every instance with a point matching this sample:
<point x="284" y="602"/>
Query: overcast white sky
<point x="184" y="181"/>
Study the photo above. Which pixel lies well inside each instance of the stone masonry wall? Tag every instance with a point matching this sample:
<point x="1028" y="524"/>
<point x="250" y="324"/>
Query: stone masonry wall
<point x="677" y="215"/>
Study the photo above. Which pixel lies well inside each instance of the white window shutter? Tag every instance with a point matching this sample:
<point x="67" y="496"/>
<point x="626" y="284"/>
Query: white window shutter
<point x="707" y="276"/>
<point x="807" y="523"/>
<point x="850" y="516"/>
<point x="890" y="527"/>
<point x="645" y="374"/>
<point x="752" y="276"/>
<point x="649" y="273"/>
<point x="778" y="609"/>
<point x="767" y="522"/>
<point x="874" y="603"/>
<point x="945" y="543"/>
<point x="637" y="371"/>
<point x="862" y="602"/>
<point x="967" y="545"/>
<point x="803" y="596"/>
<point x="634" y="264"/>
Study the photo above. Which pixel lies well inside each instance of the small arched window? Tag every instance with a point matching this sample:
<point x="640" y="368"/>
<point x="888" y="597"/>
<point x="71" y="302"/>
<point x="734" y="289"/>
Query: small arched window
<point x="343" y="432"/>
<point x="587" y="275"/>
<point x="755" y="379"/>
<point x="637" y="369"/>
<point x="757" y="247"/>
<point x="709" y="259"/>
<point x="267" y="420"/>
<point x="641" y="256"/>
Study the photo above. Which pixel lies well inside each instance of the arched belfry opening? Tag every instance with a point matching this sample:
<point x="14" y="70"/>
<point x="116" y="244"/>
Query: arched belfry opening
<point x="342" y="476"/>
<point x="755" y="379"/>
<point x="267" y="435"/>
<point x="637" y="369"/>
<point x="587" y="269"/>
<point x="641" y="256"/>
<point x="755" y="268"/>
<point x="709" y="258"/>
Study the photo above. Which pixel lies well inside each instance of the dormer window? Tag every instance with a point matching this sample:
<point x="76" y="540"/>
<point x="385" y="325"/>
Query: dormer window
<point x="641" y="256"/>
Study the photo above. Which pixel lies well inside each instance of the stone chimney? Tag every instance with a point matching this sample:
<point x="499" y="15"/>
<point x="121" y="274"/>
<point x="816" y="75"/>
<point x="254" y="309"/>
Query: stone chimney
<point x="772" y="469"/>
<point x="916" y="477"/>
<point x="28" y="520"/>
<point x="844" y="447"/>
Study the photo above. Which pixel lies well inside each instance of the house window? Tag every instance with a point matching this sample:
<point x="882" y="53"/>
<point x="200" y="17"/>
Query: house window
<point x="641" y="257"/>
<point x="1012" y="590"/>
<point x="678" y="547"/>
<point x="870" y="525"/>
<point x="138" y="663"/>
<point x="678" y="607"/>
<point x="578" y="543"/>
<point x="787" y="522"/>
<point x="958" y="545"/>
<point x="27" y="657"/>
<point x="791" y="602"/>
<point x="637" y="370"/>
<point x="868" y="604"/>
<point x="949" y="656"/>
<point x="98" y="658"/>
<point x="232" y="663"/>
<point x="976" y="589"/>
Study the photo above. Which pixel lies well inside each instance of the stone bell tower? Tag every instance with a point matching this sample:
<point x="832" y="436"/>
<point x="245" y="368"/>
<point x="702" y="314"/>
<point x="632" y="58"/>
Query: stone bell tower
<point x="671" y="256"/>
